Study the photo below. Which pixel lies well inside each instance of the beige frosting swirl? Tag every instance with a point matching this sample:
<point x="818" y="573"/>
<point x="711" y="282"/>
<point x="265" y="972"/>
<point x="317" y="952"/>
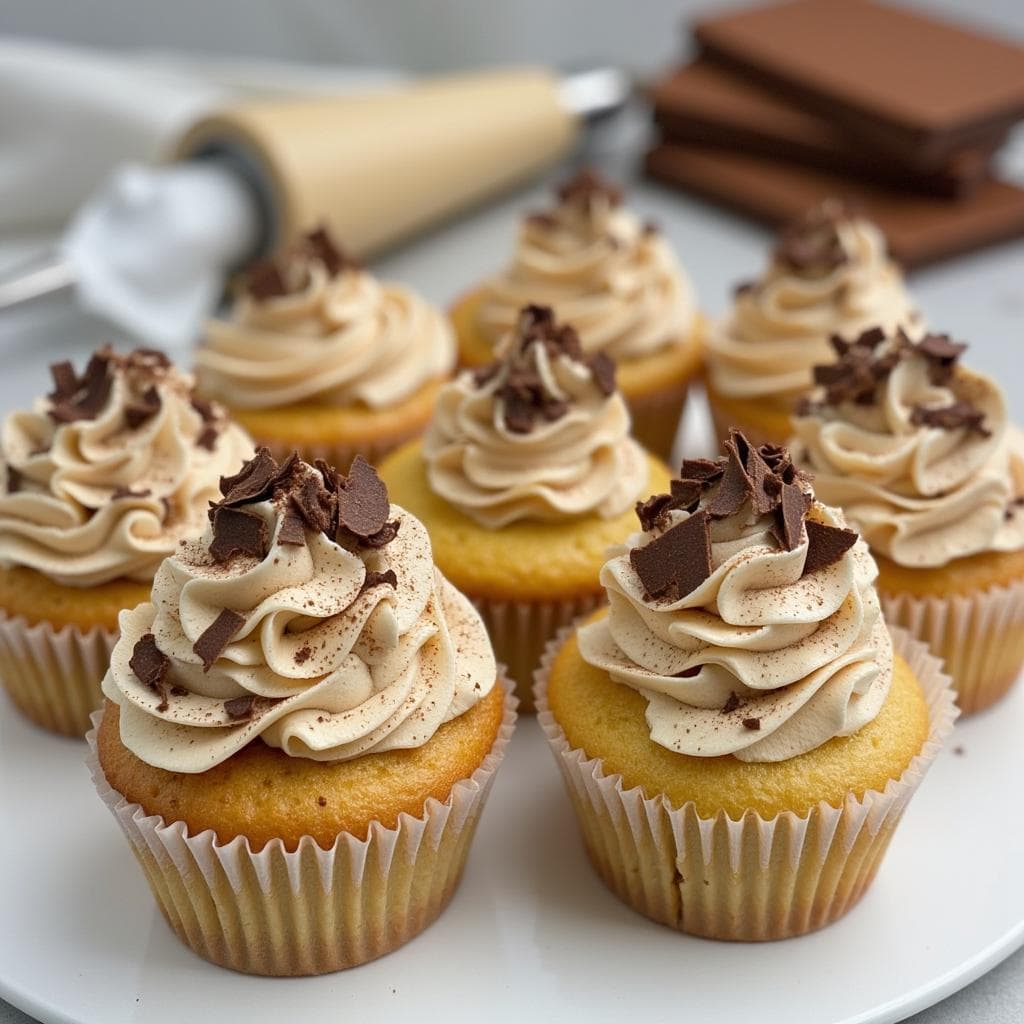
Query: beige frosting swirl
<point x="97" y="499"/>
<point x="338" y="340"/>
<point x="759" y="661"/>
<point x="779" y="326"/>
<point x="576" y="460"/>
<point x="337" y="669"/>
<point x="920" y="495"/>
<point x="616" y="281"/>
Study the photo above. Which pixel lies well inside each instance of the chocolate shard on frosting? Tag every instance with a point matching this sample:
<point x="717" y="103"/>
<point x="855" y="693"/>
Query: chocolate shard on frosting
<point x="143" y="408"/>
<point x="942" y="354"/>
<point x="82" y="398"/>
<point x="150" y="666"/>
<point x="319" y="244"/>
<point x="587" y="185"/>
<point x="376" y="579"/>
<point x="857" y="373"/>
<point x="734" y="488"/>
<point x="825" y="545"/>
<point x="676" y="563"/>
<point x="363" y="504"/>
<point x="707" y="471"/>
<point x="237" y="532"/>
<point x="212" y="641"/>
<point x="265" y="280"/>
<point x="253" y="482"/>
<point x="240" y="709"/>
<point x="292" y="531"/>
<point x="128" y="492"/>
<point x="790" y="513"/>
<point x="280" y="276"/>
<point x="951" y="417"/>
<point x="811" y="243"/>
<point x="602" y="367"/>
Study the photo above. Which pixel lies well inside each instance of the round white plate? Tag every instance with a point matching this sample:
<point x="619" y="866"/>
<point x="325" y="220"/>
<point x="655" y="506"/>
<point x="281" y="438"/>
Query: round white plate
<point x="531" y="930"/>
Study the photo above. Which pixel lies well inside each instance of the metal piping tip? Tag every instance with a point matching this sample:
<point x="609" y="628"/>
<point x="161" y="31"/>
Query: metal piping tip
<point x="596" y="93"/>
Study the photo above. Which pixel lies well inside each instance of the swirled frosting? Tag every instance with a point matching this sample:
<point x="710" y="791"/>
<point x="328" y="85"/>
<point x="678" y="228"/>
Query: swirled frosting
<point x="316" y="636"/>
<point x="616" y="280"/>
<point x="320" y="329"/>
<point x="540" y="434"/>
<point x="106" y="473"/>
<point x="765" y="638"/>
<point x="830" y="274"/>
<point x="915" y="448"/>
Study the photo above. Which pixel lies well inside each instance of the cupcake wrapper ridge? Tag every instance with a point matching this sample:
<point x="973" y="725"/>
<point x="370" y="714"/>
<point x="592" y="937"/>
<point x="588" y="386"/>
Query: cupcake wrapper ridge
<point x="979" y="636"/>
<point x="310" y="910"/>
<point x="53" y="675"/>
<point x="751" y="879"/>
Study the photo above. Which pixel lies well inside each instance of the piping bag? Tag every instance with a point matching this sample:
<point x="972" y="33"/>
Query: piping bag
<point x="152" y="250"/>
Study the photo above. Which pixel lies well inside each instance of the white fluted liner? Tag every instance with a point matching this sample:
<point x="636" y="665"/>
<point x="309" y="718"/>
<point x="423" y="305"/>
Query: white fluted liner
<point x="520" y="630"/>
<point x="339" y="455"/>
<point x="751" y="879"/>
<point x="53" y="675"/>
<point x="979" y="636"/>
<point x="307" y="911"/>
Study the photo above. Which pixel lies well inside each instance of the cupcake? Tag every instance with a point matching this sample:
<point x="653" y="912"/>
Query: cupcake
<point x="524" y="478"/>
<point x="829" y="274"/>
<point x="617" y="281"/>
<point x="318" y="355"/>
<point x="302" y="725"/>
<point x="917" y="450"/>
<point x="739" y="733"/>
<point x="103" y="477"/>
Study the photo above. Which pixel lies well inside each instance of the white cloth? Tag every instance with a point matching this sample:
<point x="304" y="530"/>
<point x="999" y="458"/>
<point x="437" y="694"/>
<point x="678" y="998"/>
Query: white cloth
<point x="69" y="115"/>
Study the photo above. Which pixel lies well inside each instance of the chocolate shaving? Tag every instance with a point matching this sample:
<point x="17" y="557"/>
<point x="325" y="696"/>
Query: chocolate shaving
<point x="217" y="636"/>
<point x="208" y="437"/>
<point x="363" y="504"/>
<point x="136" y="413"/>
<point x="265" y="281"/>
<point x="89" y="393"/>
<point x="602" y="368"/>
<point x="587" y="185"/>
<point x="734" y="489"/>
<point x="789" y="516"/>
<point x="825" y="545"/>
<point x="858" y="371"/>
<point x="206" y="410"/>
<point x="707" y="471"/>
<point x="652" y="512"/>
<point x="150" y="666"/>
<point x="951" y="417"/>
<point x="382" y="537"/>
<point x="676" y="563"/>
<point x="314" y="503"/>
<point x="942" y="354"/>
<point x="375" y="579"/>
<point x="483" y="375"/>
<point x="15" y="478"/>
<point x="239" y="708"/>
<point x="319" y="245"/>
<point x="237" y="532"/>
<point x="732" y="703"/>
<point x="127" y="492"/>
<point x="292" y="531"/>
<point x="753" y="724"/>
<point x="811" y="244"/>
<point x="253" y="482"/>
<point x="65" y="382"/>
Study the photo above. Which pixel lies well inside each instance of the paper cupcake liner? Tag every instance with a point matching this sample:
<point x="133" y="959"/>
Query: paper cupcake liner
<point x="310" y="910"/>
<point x="520" y="630"/>
<point x="979" y="636"/>
<point x="724" y="420"/>
<point x="656" y="417"/>
<point x="746" y="880"/>
<point x="53" y="675"/>
<point x="338" y="455"/>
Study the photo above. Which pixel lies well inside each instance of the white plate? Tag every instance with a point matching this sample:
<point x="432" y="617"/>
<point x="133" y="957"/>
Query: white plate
<point x="531" y="930"/>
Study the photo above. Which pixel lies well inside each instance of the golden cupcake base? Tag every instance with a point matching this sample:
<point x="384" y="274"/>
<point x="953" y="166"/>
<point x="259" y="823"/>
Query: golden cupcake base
<point x="750" y="876"/>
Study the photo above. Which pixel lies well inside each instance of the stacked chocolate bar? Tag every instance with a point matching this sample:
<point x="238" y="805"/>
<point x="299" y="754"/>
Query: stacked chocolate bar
<point x="789" y="103"/>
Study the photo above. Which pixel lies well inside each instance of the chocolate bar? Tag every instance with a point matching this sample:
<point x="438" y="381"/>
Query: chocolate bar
<point x="920" y="229"/>
<point x="915" y="87"/>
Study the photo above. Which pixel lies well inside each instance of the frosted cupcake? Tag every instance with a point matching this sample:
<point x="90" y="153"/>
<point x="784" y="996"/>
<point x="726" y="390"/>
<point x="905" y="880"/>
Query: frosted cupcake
<point x="524" y="478"/>
<point x="918" y="451"/>
<point x="617" y="281"/>
<point x="103" y="477"/>
<point x="829" y="274"/>
<point x="318" y="355"/>
<point x="302" y="725"/>
<point x="737" y="734"/>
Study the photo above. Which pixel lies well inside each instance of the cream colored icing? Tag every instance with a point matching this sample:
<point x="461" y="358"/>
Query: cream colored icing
<point x="808" y="657"/>
<point x="336" y="340"/>
<point x="67" y="516"/>
<point x="618" y="283"/>
<point x="582" y="463"/>
<point x="919" y="495"/>
<point x="779" y="327"/>
<point x="338" y="671"/>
